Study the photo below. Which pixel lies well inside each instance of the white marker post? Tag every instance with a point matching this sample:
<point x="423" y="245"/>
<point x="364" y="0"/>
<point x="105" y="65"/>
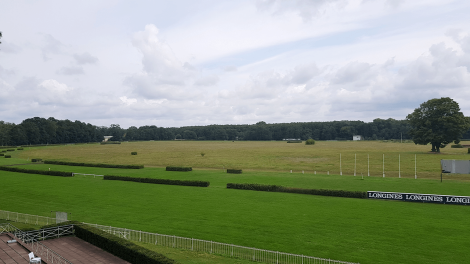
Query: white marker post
<point x="340" y="170"/>
<point x="399" y="172"/>
<point x="383" y="165"/>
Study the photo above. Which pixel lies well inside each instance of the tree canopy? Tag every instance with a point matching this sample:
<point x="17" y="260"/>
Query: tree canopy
<point x="437" y="121"/>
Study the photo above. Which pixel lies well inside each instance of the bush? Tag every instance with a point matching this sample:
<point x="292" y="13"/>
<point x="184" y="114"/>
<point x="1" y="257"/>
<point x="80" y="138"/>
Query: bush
<point x="1" y="154"/>
<point x="110" y="142"/>
<point x="19" y="149"/>
<point x="120" y="247"/>
<point x="158" y="181"/>
<point x="93" y="164"/>
<point x="277" y="188"/>
<point x="456" y="146"/>
<point x="50" y="173"/>
<point x="235" y="171"/>
<point x="174" y="168"/>
<point x="36" y="160"/>
<point x="294" y="141"/>
<point x="468" y="150"/>
<point x="10" y="149"/>
<point x="7" y="156"/>
<point x="133" y="153"/>
<point x="310" y="142"/>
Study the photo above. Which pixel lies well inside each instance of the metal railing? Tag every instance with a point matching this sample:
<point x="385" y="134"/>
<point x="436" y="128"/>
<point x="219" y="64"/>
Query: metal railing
<point x="230" y="250"/>
<point x="31" y="239"/>
<point x="27" y="218"/>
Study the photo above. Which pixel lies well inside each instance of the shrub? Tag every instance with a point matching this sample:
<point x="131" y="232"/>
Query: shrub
<point x="36" y="160"/>
<point x="110" y="142"/>
<point x="1" y="154"/>
<point x="134" y="153"/>
<point x="310" y="142"/>
<point x="456" y="146"/>
<point x="202" y="154"/>
<point x="93" y="164"/>
<point x="120" y="247"/>
<point x="468" y="150"/>
<point x="278" y="188"/>
<point x="50" y="173"/>
<point x="235" y="171"/>
<point x="19" y="149"/>
<point x="175" y="168"/>
<point x="294" y="141"/>
<point x="7" y="156"/>
<point x="158" y="181"/>
<point x="10" y="149"/>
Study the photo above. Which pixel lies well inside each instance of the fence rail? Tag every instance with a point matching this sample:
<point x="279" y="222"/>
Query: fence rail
<point x="230" y="250"/>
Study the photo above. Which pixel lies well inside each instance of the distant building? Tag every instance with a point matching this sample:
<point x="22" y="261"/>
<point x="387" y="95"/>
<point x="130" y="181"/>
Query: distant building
<point x="358" y="137"/>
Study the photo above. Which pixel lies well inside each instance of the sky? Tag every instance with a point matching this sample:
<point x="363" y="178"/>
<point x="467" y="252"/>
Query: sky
<point x="185" y="62"/>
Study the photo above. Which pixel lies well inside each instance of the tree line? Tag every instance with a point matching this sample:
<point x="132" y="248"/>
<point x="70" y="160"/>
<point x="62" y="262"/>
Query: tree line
<point x="34" y="131"/>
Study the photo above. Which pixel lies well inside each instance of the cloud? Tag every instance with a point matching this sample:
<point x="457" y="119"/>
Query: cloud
<point x="306" y="9"/>
<point x="207" y="80"/>
<point x="72" y="70"/>
<point x="85" y="58"/>
<point x="51" y="46"/>
<point x="55" y="86"/>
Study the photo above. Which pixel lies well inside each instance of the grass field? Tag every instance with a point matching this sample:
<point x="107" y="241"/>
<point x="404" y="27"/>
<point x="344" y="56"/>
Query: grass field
<point x="322" y="157"/>
<point x="357" y="230"/>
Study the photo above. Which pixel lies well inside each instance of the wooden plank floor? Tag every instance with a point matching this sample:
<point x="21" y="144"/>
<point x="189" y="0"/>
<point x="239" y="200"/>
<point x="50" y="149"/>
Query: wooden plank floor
<point x="78" y="251"/>
<point x="12" y="253"/>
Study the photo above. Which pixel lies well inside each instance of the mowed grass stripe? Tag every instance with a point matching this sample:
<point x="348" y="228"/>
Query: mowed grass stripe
<point x="359" y="230"/>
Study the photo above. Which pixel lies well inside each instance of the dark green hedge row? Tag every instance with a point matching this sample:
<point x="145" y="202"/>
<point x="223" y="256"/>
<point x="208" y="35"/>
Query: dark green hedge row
<point x="19" y="149"/>
<point x="2" y="154"/>
<point x="110" y="143"/>
<point x="120" y="247"/>
<point x="133" y="153"/>
<point x="50" y="173"/>
<point x="456" y="146"/>
<point x="277" y="188"/>
<point x="294" y="141"/>
<point x="7" y="156"/>
<point x="93" y="164"/>
<point x="234" y="171"/>
<point x="36" y="160"/>
<point x="10" y="149"/>
<point x="173" y="168"/>
<point x="158" y="181"/>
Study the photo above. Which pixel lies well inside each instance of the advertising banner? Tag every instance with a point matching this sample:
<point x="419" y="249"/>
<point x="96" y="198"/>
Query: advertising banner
<point x="418" y="197"/>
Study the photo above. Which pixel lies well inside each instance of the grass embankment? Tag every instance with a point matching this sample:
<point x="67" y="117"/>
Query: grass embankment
<point x="322" y="157"/>
<point x="359" y="230"/>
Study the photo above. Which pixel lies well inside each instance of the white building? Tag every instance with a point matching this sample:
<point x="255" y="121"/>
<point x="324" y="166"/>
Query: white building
<point x="358" y="137"/>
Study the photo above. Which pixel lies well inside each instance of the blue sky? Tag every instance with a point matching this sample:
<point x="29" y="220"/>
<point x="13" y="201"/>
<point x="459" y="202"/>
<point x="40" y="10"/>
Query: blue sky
<point x="181" y="63"/>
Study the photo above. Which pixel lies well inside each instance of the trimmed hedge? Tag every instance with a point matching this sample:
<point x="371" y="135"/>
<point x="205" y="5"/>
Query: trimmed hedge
<point x="50" y="173"/>
<point x="158" y="181"/>
<point x="456" y="146"/>
<point x="235" y="171"/>
<point x="7" y="156"/>
<point x="174" y="168"/>
<point x="294" y="141"/>
<point x="468" y="150"/>
<point x="278" y="188"/>
<point x="10" y="149"/>
<point x="310" y="141"/>
<point x="36" y="160"/>
<point x="133" y="153"/>
<point x="110" y="142"/>
<point x="19" y="149"/>
<point x="120" y="247"/>
<point x="93" y="164"/>
<point x="2" y="154"/>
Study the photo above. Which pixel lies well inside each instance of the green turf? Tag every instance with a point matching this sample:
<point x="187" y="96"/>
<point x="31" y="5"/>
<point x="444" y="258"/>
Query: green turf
<point x="358" y="230"/>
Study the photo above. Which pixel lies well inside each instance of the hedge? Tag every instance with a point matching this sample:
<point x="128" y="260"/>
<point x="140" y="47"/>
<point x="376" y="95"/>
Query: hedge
<point x="133" y="153"/>
<point x="120" y="247"/>
<point x="19" y="149"/>
<point x="2" y="154"/>
<point x="93" y="164"/>
<point x="174" y="168"/>
<point x="294" y="141"/>
<point x="158" y="181"/>
<point x="7" y="156"/>
<point x="36" y="160"/>
<point x="278" y="188"/>
<point x="456" y="146"/>
<point x="10" y="149"/>
<point x="235" y="171"/>
<point x="50" y="173"/>
<point x="110" y="143"/>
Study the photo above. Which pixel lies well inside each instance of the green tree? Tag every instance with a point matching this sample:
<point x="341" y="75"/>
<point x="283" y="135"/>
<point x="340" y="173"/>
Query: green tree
<point x="437" y="121"/>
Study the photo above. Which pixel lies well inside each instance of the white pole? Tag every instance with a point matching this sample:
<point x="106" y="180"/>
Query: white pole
<point x="415" y="166"/>
<point x="383" y="165"/>
<point x="399" y="172"/>
<point x="340" y="170"/>
<point x="368" y="172"/>
<point x="354" y="164"/>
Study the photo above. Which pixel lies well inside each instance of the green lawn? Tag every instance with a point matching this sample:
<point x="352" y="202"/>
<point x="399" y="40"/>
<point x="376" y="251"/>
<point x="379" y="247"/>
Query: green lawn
<point x="357" y="230"/>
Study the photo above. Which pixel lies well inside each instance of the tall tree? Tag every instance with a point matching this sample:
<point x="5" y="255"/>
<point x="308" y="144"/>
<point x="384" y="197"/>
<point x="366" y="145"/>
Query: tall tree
<point x="437" y="121"/>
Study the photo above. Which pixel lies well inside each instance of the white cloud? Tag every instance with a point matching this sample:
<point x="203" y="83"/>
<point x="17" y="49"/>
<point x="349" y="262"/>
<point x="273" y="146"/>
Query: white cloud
<point x="55" y="86"/>
<point x="71" y="70"/>
<point x="85" y="58"/>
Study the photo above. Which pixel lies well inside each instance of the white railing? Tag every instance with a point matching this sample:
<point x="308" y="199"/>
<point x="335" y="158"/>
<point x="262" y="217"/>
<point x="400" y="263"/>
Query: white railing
<point x="248" y="253"/>
<point x="30" y="238"/>
<point x="27" y="218"/>
<point x="86" y="174"/>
